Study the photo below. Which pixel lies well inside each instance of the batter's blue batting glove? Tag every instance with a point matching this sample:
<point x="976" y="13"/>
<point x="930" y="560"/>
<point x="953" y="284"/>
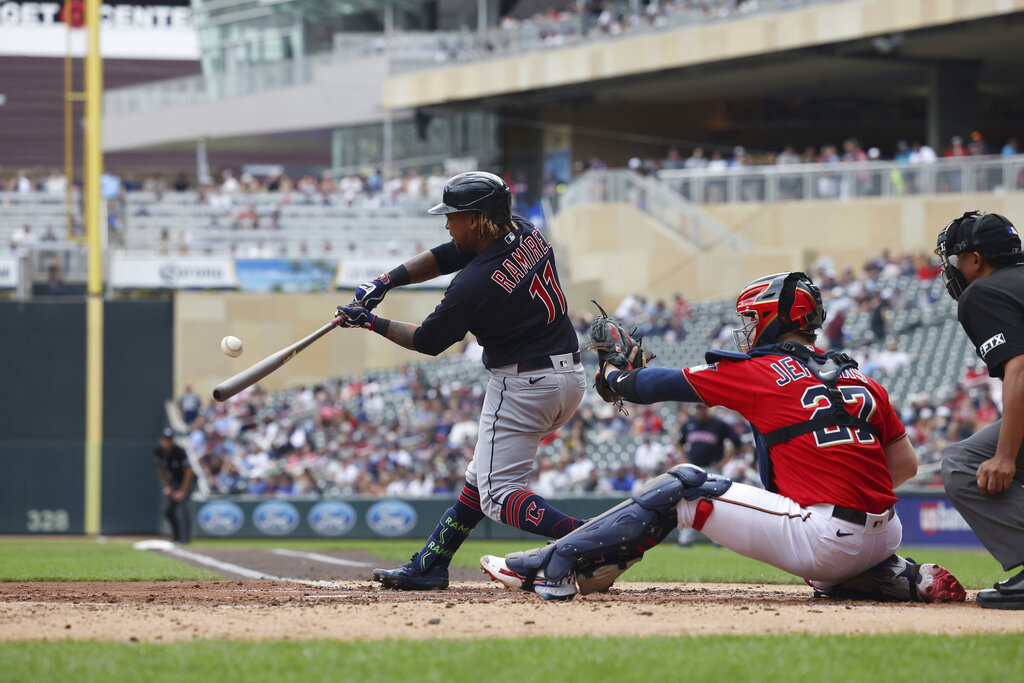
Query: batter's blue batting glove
<point x="355" y="316"/>
<point x="371" y="293"/>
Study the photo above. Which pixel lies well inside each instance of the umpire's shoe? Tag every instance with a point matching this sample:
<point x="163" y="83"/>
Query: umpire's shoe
<point x="408" y="578"/>
<point x="1008" y="594"/>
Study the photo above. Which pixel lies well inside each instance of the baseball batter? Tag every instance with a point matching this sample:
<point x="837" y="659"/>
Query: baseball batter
<point x="830" y="448"/>
<point x="506" y="292"/>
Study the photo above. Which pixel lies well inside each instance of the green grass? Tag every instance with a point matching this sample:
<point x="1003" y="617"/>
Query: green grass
<point x="77" y="559"/>
<point x="87" y="560"/>
<point x="787" y="659"/>
<point x="975" y="568"/>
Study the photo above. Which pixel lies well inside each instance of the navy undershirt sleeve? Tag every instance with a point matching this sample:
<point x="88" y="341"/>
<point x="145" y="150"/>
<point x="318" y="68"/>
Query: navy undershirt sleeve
<point x="450" y="258"/>
<point x="653" y="385"/>
<point x="448" y="323"/>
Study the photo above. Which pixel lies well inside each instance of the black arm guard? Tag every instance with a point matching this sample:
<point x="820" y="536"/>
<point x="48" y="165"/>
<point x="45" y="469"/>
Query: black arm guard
<point x="624" y="384"/>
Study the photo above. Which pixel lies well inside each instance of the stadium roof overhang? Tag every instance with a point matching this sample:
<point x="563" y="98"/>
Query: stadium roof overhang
<point x="861" y="63"/>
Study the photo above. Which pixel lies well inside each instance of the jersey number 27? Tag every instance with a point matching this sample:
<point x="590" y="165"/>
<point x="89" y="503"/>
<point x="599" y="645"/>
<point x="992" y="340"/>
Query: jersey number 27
<point x="817" y="398"/>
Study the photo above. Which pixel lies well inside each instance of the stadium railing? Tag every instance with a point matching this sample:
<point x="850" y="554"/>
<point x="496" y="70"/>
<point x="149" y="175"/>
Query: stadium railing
<point x="676" y="213"/>
<point x="847" y="180"/>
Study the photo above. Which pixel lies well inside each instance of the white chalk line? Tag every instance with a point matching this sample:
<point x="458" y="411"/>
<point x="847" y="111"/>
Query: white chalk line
<point x="240" y="570"/>
<point x="320" y="558"/>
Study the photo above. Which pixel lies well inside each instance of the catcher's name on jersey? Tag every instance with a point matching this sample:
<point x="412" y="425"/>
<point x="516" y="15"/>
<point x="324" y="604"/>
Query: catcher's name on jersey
<point x="524" y="257"/>
<point x="790" y="369"/>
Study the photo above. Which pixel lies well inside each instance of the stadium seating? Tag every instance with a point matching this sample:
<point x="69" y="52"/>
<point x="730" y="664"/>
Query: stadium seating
<point x="922" y="322"/>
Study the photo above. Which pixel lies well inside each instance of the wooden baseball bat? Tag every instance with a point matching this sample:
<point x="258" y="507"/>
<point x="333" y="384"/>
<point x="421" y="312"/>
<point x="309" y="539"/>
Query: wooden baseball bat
<point x="256" y="372"/>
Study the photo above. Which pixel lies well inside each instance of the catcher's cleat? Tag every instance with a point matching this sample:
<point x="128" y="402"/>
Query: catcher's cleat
<point x="497" y="569"/>
<point x="936" y="584"/>
<point x="898" y="579"/>
<point x="408" y="578"/>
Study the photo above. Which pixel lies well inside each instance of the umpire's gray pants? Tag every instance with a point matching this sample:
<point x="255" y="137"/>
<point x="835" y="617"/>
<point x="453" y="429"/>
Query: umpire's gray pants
<point x="997" y="520"/>
<point x="517" y="415"/>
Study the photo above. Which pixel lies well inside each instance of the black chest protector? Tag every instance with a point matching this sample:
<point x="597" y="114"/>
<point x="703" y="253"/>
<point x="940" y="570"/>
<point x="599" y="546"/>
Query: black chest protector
<point x="827" y="368"/>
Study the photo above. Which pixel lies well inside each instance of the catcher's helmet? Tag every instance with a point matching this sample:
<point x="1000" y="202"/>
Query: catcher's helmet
<point x="989" y="234"/>
<point x="776" y="304"/>
<point x="477" y="191"/>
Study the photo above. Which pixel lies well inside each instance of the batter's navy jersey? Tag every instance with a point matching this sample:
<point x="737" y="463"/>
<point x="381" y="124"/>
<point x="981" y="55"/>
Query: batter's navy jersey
<point x="508" y="296"/>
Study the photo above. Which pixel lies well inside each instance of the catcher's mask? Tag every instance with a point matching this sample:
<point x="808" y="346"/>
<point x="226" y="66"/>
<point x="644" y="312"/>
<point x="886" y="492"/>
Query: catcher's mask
<point x="774" y="305"/>
<point x="477" y="191"/>
<point x="991" y="235"/>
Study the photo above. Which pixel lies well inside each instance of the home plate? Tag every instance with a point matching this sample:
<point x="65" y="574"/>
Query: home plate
<point x="154" y="544"/>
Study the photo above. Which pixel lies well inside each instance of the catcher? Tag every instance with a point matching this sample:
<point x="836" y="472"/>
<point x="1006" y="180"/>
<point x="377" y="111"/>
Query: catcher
<point x="831" y="449"/>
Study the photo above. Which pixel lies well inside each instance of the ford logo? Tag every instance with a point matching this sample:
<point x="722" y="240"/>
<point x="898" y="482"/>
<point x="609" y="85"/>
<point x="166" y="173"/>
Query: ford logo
<point x="391" y="518"/>
<point x="275" y="518"/>
<point x="167" y="271"/>
<point x="220" y="518"/>
<point x="332" y="518"/>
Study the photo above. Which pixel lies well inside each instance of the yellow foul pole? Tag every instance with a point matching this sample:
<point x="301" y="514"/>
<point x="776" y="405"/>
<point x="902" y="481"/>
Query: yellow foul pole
<point x="94" y="300"/>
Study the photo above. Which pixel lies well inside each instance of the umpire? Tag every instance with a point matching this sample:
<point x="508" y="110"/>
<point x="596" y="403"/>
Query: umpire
<point x="983" y="270"/>
<point x="176" y="473"/>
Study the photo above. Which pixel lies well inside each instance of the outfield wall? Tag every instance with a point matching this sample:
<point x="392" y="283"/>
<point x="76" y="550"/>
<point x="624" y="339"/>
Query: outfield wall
<point x="42" y="414"/>
<point x="928" y="518"/>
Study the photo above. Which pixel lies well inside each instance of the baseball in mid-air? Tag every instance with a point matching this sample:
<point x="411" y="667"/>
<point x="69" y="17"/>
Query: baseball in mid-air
<point x="232" y="346"/>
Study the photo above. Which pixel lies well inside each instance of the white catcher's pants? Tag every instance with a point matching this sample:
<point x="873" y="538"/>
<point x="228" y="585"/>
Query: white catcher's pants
<point x="805" y="541"/>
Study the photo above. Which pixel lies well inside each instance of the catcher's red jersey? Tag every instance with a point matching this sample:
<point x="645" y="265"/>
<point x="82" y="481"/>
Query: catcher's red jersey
<point x="839" y="465"/>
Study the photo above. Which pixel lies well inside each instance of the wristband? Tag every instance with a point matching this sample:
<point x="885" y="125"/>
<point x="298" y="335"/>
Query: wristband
<point x="379" y="325"/>
<point x="399" y="276"/>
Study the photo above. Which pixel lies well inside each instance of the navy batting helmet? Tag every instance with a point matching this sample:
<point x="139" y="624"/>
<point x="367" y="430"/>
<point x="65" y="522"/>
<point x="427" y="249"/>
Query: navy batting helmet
<point x="477" y="191"/>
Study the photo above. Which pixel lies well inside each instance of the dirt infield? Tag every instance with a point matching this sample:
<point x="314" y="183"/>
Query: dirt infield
<point x="321" y="599"/>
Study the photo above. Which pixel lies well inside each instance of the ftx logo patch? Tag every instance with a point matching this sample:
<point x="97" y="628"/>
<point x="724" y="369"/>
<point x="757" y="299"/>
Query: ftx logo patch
<point x="992" y="343"/>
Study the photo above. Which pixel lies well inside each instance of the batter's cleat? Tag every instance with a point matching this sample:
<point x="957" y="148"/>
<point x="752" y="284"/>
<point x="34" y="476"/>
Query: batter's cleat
<point x="936" y="584"/>
<point x="497" y="569"/>
<point x="408" y="578"/>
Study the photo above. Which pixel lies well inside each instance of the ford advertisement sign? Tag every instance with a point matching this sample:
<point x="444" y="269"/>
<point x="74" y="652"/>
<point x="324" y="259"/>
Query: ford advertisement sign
<point x="220" y="518"/>
<point x="332" y="518"/>
<point x="391" y="518"/>
<point x="275" y="518"/>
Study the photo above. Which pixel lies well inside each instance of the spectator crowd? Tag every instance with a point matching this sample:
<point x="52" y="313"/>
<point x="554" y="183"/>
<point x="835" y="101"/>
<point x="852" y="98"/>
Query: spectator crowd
<point x="410" y="432"/>
<point x="572" y="21"/>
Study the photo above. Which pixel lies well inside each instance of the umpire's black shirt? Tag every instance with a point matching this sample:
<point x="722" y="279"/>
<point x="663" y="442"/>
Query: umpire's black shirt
<point x="991" y="311"/>
<point x="175" y="462"/>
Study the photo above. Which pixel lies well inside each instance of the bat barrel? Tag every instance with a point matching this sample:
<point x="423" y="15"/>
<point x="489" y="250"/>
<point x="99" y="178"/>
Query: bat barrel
<point x="246" y="378"/>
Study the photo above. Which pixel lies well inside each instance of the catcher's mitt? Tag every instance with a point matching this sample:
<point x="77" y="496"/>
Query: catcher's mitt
<point x="614" y="345"/>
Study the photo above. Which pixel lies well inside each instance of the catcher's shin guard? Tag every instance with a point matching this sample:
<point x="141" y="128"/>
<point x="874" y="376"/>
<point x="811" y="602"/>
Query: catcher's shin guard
<point x="620" y="536"/>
